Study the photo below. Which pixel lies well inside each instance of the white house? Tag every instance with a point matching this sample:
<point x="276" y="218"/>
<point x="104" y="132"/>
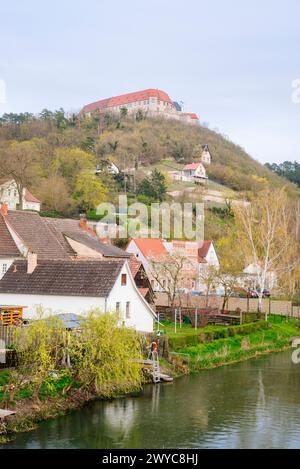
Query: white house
<point x="9" y="195"/>
<point x="61" y="265"/>
<point x="251" y="274"/>
<point x="192" y="172"/>
<point x="111" y="169"/>
<point x="145" y="249"/>
<point x="206" y="155"/>
<point x="60" y="286"/>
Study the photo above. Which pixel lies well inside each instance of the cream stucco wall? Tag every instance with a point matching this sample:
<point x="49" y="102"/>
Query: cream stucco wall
<point x="82" y="250"/>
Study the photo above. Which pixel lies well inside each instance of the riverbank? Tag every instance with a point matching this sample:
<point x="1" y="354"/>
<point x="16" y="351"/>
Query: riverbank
<point x="190" y="351"/>
<point x="214" y="348"/>
<point x="63" y="395"/>
<point x="63" y="398"/>
<point x="252" y="404"/>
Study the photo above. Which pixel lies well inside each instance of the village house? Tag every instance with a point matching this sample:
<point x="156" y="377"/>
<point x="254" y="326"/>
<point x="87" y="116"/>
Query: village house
<point x="252" y="272"/>
<point x="195" y="172"/>
<point x="9" y="194"/>
<point x="25" y="236"/>
<point x="198" y="256"/>
<point x="206" y="157"/>
<point x="64" y="286"/>
<point x="151" y="102"/>
<point x="110" y="167"/>
<point x="145" y="249"/>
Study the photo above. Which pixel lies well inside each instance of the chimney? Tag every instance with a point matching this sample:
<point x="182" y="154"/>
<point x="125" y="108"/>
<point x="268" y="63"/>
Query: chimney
<point x="4" y="209"/>
<point x="31" y="262"/>
<point x="83" y="221"/>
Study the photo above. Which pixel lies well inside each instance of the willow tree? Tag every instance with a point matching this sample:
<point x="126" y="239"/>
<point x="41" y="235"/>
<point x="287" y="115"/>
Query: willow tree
<point x="106" y="357"/>
<point x="264" y="235"/>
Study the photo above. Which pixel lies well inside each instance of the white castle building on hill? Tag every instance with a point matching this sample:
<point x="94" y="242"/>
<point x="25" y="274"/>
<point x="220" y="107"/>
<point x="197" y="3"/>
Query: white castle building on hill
<point x="151" y="102"/>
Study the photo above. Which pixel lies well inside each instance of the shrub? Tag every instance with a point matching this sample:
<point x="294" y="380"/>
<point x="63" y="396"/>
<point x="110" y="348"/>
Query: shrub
<point x="106" y="355"/>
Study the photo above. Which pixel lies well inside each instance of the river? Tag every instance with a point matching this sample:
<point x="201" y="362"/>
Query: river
<point x="253" y="404"/>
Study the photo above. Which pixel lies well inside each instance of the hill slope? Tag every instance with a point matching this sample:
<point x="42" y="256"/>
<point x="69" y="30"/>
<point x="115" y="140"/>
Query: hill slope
<point x="154" y="140"/>
<point x="145" y="143"/>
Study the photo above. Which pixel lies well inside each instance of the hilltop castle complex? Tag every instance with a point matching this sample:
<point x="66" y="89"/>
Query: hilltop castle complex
<point x="151" y="102"/>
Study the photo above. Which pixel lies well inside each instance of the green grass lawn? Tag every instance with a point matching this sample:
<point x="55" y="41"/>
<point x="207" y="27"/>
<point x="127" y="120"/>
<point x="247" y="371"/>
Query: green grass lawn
<point x="276" y="336"/>
<point x="168" y="328"/>
<point x="165" y="166"/>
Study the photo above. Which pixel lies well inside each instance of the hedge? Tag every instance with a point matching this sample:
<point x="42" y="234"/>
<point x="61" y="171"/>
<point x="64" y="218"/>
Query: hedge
<point x="183" y="341"/>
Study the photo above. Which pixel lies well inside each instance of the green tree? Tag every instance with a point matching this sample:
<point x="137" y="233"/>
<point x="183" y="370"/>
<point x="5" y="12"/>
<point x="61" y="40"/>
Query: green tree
<point x="40" y="351"/>
<point x="90" y="191"/>
<point x="69" y="162"/>
<point x="154" y="187"/>
<point x="106" y="355"/>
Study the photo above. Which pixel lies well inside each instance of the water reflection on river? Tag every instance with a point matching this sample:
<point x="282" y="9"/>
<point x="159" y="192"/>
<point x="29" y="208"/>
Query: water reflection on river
<point x="254" y="404"/>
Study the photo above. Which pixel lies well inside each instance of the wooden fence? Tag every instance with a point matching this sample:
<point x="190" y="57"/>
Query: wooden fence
<point x="7" y="335"/>
<point x="8" y="357"/>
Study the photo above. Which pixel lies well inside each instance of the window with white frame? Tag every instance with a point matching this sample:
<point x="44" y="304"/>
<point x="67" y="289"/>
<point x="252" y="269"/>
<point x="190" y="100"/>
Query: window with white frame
<point x="4" y="268"/>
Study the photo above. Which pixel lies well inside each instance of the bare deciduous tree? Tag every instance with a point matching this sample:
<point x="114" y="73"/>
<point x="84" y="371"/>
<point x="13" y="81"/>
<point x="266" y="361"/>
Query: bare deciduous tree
<point x="208" y="276"/>
<point x="19" y="162"/>
<point x="229" y="281"/>
<point x="168" y="272"/>
<point x="265" y="235"/>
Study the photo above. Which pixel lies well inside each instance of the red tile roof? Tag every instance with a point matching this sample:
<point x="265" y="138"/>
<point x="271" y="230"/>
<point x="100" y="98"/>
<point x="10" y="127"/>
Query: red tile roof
<point x="8" y="247"/>
<point x="150" y="247"/>
<point x="134" y="265"/>
<point x="36" y="235"/>
<point x="191" y="166"/>
<point x="203" y="250"/>
<point x="144" y="291"/>
<point x="128" y="98"/>
<point x="30" y="198"/>
<point x="58" y="277"/>
<point x="192" y="115"/>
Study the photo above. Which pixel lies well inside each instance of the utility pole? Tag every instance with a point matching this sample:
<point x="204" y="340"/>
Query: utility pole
<point x="125" y="180"/>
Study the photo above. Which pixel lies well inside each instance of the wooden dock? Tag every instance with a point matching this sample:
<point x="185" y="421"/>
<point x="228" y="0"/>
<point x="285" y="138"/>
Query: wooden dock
<point x="6" y="413"/>
<point x="154" y="369"/>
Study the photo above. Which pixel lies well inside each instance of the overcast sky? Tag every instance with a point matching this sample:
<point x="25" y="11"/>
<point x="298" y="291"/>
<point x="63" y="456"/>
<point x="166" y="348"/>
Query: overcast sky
<point x="233" y="62"/>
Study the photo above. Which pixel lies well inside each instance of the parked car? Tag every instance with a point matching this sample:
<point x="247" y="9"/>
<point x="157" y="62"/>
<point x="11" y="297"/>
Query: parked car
<point x="266" y="292"/>
<point x="252" y="294"/>
<point x="239" y="293"/>
<point x="244" y="293"/>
